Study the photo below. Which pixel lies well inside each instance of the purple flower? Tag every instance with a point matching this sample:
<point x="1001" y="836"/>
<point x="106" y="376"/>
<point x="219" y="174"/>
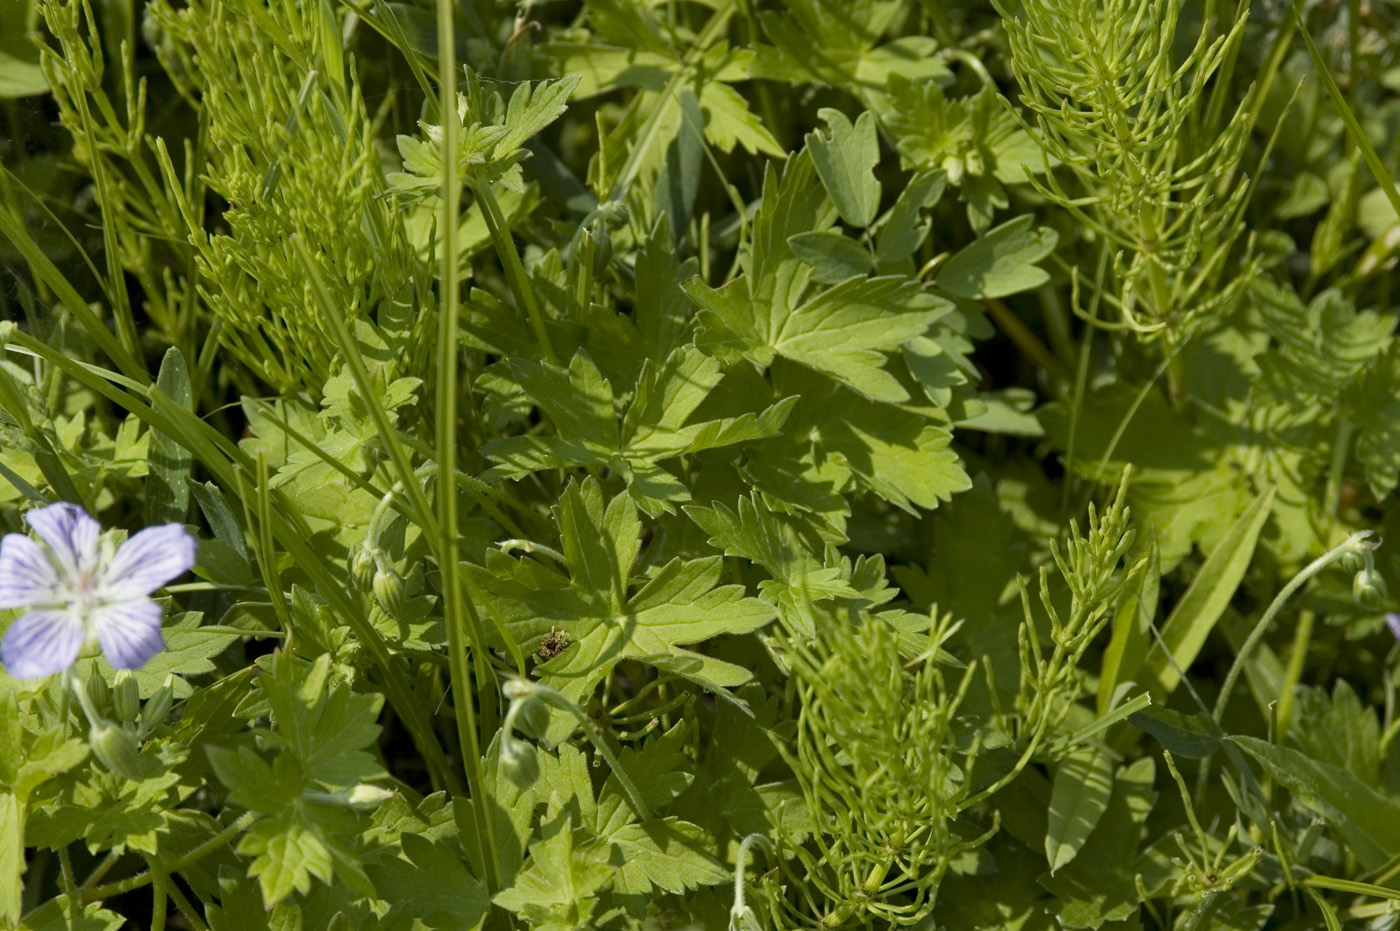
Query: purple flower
<point x="1392" y="620"/>
<point x="80" y="589"/>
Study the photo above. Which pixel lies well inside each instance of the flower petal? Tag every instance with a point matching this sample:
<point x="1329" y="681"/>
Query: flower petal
<point x="1392" y="620"/>
<point x="70" y="533"/>
<point x="146" y="561"/>
<point x="41" y="643"/>
<point x="26" y="575"/>
<point x="129" y="631"/>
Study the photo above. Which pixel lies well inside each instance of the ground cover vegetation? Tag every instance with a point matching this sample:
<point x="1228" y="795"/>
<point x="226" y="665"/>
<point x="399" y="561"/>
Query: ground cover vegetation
<point x="750" y="464"/>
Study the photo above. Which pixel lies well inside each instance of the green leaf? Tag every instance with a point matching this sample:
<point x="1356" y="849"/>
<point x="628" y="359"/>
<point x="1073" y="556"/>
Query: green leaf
<point x="20" y="72"/>
<point x="68" y="913"/>
<point x="1083" y="784"/>
<point x="1001" y="262"/>
<point x="603" y="616"/>
<point x="1132" y="630"/>
<point x="429" y="883"/>
<point x="1368" y="820"/>
<point x="759" y="535"/>
<point x="168" y="484"/>
<point x="833" y="257"/>
<point x="1196" y="614"/>
<point x="11" y="856"/>
<point x="669" y="854"/>
<point x="322" y="721"/>
<point x="1338" y="729"/>
<point x="845" y="158"/>
<point x="1098" y="886"/>
<point x="255" y="785"/>
<point x="558" y="890"/>
<point x="655" y="427"/>
<point x="843" y="331"/>
<point x="1191" y="736"/>
<point x="225" y="558"/>
<point x="875" y="447"/>
<point x="903" y="230"/>
<point x="532" y="108"/>
<point x="1378" y="449"/>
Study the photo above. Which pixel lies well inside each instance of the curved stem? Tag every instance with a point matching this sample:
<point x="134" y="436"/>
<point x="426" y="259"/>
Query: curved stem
<point x="1356" y="543"/>
<point x="203" y="850"/>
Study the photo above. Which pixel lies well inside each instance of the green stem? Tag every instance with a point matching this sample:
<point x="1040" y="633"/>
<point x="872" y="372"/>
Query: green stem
<point x="1293" y="672"/>
<point x="1356" y="543"/>
<point x="160" y="884"/>
<point x="102" y="869"/>
<point x="136" y="882"/>
<point x="65" y="869"/>
<point x="516" y="276"/>
<point x="1025" y="340"/>
<point x="187" y="909"/>
<point x="460" y="617"/>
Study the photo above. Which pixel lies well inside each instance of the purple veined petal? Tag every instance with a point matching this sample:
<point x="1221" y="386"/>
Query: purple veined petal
<point x="26" y="575"/>
<point x="1392" y="620"/>
<point x="129" y="631"/>
<point x="146" y="561"/>
<point x="41" y="643"/>
<point x="70" y="533"/>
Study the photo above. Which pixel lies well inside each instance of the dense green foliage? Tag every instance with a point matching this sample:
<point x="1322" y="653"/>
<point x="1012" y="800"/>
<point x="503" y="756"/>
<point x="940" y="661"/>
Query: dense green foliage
<point x="764" y="464"/>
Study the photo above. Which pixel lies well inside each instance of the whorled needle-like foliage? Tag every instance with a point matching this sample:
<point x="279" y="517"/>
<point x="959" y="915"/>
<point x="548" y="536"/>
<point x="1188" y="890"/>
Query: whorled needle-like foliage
<point x="1112" y="104"/>
<point x="882" y="775"/>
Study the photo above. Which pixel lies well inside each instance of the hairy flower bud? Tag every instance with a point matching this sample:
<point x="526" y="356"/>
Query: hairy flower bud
<point x="117" y="750"/>
<point x="158" y="706"/>
<point x="363" y="566"/>
<point x="531" y="717"/>
<point x="99" y="692"/>
<point x="519" y="762"/>
<point x="126" y="697"/>
<point x="388" y="590"/>
<point x="1369" y="588"/>
<point x="519" y="689"/>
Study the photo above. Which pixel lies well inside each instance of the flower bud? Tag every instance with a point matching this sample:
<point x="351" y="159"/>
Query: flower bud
<point x="365" y="796"/>
<point x="1369" y="588"/>
<point x="388" y="590"/>
<point x="531" y="717"/>
<point x="518" y="688"/>
<point x="519" y="762"/>
<point x="362" y="567"/>
<point x="98" y="691"/>
<point x="1352" y="560"/>
<point x="117" y="750"/>
<point x="126" y="697"/>
<point x="158" y="706"/>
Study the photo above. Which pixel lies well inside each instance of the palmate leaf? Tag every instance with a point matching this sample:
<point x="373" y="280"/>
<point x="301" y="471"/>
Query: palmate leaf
<point x="757" y="534"/>
<point x="431" y="884"/>
<point x="878" y="448"/>
<point x="596" y="609"/>
<point x="579" y="401"/>
<point x="298" y="838"/>
<point x="323" y="722"/>
<point x="661" y="853"/>
<point x="843" y="331"/>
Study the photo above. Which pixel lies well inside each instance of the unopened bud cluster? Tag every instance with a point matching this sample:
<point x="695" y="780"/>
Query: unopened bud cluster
<point x="117" y="744"/>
